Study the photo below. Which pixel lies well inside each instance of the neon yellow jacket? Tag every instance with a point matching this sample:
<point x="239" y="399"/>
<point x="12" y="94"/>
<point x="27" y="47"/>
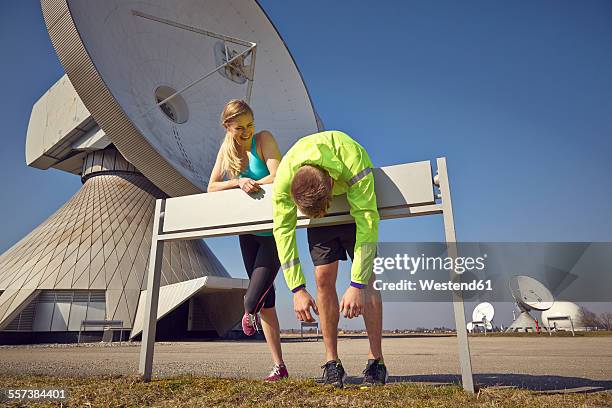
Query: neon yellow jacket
<point x="350" y="166"/>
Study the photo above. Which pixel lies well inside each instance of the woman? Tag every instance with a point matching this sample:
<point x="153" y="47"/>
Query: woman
<point x="248" y="160"/>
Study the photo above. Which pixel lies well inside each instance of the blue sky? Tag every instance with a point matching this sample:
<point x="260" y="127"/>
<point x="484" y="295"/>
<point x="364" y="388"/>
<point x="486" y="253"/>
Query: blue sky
<point x="517" y="96"/>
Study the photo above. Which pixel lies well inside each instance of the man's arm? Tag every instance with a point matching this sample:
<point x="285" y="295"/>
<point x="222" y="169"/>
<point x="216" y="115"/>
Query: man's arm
<point x="285" y="220"/>
<point x="362" y="200"/>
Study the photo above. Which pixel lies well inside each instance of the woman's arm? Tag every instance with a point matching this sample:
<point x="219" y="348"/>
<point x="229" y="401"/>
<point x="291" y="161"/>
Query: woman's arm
<point x="216" y="182"/>
<point x="271" y="155"/>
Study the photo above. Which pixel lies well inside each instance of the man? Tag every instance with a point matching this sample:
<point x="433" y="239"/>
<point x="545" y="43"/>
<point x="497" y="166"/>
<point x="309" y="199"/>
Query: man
<point x="316" y="168"/>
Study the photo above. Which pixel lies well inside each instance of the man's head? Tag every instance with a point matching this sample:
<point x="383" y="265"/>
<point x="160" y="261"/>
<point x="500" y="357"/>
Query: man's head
<point x="311" y="189"/>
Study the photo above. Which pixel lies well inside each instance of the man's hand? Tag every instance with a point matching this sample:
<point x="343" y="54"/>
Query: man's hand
<point x="352" y="302"/>
<point x="302" y="302"/>
<point x="248" y="185"/>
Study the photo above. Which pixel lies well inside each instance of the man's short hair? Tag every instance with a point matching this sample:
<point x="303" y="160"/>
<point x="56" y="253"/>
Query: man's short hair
<point x="311" y="189"/>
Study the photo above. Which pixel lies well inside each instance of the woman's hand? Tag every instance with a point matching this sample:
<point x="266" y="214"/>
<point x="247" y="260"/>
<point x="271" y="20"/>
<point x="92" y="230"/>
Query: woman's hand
<point x="248" y="185"/>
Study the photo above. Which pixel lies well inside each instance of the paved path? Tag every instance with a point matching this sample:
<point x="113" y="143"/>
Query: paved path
<point x="543" y="363"/>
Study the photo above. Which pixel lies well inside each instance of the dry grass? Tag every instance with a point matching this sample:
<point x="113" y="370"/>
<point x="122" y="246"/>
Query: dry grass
<point x="220" y="392"/>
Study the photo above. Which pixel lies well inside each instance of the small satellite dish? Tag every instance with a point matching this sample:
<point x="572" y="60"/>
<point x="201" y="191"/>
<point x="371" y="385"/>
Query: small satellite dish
<point x="529" y="294"/>
<point x="484" y="312"/>
<point x="482" y="316"/>
<point x="471" y="326"/>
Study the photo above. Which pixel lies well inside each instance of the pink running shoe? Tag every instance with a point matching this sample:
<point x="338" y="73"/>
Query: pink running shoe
<point x="278" y="373"/>
<point x="249" y="323"/>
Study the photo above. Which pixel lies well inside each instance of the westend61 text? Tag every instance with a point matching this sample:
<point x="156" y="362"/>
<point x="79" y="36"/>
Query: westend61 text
<point x="428" y="285"/>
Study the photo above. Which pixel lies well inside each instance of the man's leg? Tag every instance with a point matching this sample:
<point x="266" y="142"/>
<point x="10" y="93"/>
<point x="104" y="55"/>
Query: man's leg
<point x="372" y="316"/>
<point x="327" y="300"/>
<point x="372" y="311"/>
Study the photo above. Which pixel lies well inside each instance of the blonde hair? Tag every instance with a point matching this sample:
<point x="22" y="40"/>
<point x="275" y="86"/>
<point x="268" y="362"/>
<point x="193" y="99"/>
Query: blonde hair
<point x="230" y="157"/>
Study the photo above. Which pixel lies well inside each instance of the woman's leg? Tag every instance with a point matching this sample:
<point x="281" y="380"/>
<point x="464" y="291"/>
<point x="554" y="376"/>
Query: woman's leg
<point x="271" y="328"/>
<point x="263" y="295"/>
<point x="260" y="290"/>
<point x="249" y="248"/>
<point x="265" y="267"/>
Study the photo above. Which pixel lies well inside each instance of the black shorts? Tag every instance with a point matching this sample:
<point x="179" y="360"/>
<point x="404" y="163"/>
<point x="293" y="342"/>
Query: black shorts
<point x="331" y="243"/>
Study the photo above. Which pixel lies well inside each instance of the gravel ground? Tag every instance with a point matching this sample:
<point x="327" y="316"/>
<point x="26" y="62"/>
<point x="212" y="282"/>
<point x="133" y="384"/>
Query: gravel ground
<point x="539" y="363"/>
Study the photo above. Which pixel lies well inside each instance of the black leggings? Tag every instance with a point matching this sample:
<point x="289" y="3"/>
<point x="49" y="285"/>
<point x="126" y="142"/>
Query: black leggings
<point x="261" y="263"/>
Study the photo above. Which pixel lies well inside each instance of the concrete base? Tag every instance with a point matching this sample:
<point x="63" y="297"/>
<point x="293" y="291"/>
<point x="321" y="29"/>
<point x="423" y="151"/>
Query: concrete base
<point x="525" y="322"/>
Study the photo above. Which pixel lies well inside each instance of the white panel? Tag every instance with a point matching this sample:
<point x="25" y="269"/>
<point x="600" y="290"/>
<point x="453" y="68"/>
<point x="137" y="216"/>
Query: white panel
<point x="96" y="311"/>
<point x="20" y="301"/>
<point x="93" y="139"/>
<point x="78" y="313"/>
<point x="61" y="313"/>
<point x="172" y="296"/>
<point x="138" y="323"/>
<point x="54" y="116"/>
<point x="402" y="185"/>
<point x="212" y="209"/>
<point x="42" y="319"/>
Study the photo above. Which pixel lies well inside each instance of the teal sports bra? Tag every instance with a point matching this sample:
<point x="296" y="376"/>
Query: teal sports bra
<point x="256" y="170"/>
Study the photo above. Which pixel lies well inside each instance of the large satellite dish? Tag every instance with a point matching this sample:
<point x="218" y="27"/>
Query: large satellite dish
<point x="138" y="114"/>
<point x="155" y="76"/>
<point x="529" y="294"/>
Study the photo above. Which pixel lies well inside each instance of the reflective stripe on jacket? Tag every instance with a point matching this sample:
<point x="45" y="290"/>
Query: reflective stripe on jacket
<point x="350" y="166"/>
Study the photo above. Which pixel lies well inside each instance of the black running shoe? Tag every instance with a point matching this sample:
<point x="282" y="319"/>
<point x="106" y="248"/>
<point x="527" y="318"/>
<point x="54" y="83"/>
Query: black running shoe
<point x="333" y="373"/>
<point x="375" y="373"/>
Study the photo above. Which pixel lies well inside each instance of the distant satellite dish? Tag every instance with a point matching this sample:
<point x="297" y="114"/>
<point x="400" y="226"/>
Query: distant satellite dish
<point x="483" y="312"/>
<point x="471" y="326"/>
<point x="529" y="294"/>
<point x="482" y="316"/>
<point x="155" y="76"/>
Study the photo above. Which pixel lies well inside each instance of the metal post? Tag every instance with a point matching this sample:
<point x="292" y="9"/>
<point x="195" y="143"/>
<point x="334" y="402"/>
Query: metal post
<point x="153" y="279"/>
<point x="449" y="230"/>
